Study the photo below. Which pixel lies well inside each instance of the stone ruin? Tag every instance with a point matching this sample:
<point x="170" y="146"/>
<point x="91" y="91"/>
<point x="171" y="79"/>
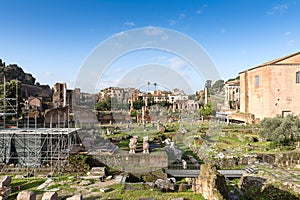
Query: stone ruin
<point x="145" y="144"/>
<point x="132" y="144"/>
<point x="210" y="183"/>
<point x="165" y="184"/>
<point x="5" y="188"/>
<point x="26" y="195"/>
<point x="171" y="148"/>
<point x="50" y="196"/>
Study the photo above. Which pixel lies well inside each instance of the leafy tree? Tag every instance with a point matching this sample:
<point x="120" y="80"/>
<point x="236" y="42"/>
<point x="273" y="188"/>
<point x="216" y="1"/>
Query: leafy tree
<point x="282" y="131"/>
<point x="13" y="71"/>
<point x="10" y="94"/>
<point x="218" y="84"/>
<point x="137" y="105"/>
<point x="206" y="110"/>
<point x="165" y="104"/>
<point x="103" y="105"/>
<point x="232" y="79"/>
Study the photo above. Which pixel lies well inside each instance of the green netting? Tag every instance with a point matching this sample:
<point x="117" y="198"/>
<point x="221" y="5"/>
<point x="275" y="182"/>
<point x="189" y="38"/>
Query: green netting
<point x="5" y="147"/>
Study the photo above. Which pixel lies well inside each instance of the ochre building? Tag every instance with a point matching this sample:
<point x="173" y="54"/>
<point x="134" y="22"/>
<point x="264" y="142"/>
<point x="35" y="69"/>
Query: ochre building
<point x="272" y="88"/>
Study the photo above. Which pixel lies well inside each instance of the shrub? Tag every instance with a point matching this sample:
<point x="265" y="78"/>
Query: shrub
<point x="281" y="131"/>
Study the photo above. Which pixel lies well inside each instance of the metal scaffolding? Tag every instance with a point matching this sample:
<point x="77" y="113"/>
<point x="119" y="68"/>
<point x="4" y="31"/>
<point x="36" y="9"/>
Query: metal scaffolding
<point x="35" y="148"/>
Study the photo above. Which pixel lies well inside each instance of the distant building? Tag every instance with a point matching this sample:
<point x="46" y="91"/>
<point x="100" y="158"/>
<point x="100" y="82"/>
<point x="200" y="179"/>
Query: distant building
<point x="187" y="105"/>
<point x="271" y="88"/>
<point x="41" y="91"/>
<point x="120" y="95"/>
<point x="35" y="103"/>
<point x="232" y="94"/>
<point x="161" y="96"/>
<point x="60" y="95"/>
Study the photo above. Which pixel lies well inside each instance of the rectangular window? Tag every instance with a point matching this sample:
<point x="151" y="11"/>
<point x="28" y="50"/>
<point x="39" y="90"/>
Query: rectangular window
<point x="285" y="113"/>
<point x="298" y="77"/>
<point x="256" y="80"/>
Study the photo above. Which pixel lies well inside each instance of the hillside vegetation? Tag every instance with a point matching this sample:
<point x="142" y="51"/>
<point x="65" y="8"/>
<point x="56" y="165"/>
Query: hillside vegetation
<point x="12" y="72"/>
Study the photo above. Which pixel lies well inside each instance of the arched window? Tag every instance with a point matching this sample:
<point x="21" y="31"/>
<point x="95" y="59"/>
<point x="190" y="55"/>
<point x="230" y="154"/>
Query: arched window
<point x="256" y="80"/>
<point x="298" y="77"/>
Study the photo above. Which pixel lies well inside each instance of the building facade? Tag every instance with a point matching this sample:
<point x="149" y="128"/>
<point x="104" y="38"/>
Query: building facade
<point x="232" y="94"/>
<point x="272" y="88"/>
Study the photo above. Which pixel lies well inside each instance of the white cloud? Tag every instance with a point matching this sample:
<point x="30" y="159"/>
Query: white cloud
<point x="182" y="16"/>
<point x="177" y="63"/>
<point x="107" y="83"/>
<point x="120" y="34"/>
<point x="172" y="22"/>
<point x="159" y="58"/>
<point x="148" y="43"/>
<point x="152" y="31"/>
<point x="287" y="33"/>
<point x="129" y="24"/>
<point x="164" y="37"/>
<point x="118" y="70"/>
<point x="117" y="44"/>
<point x="200" y="10"/>
<point x="278" y="10"/>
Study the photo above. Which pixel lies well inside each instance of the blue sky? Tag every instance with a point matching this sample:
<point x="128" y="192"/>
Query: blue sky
<point x="52" y="38"/>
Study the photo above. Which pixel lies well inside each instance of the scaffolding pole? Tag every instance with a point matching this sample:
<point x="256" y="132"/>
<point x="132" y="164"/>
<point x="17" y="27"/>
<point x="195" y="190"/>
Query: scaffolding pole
<point x="35" y="148"/>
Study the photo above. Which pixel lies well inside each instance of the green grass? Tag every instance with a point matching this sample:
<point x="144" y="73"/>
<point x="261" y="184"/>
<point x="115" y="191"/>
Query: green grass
<point x="124" y="144"/>
<point x="117" y="135"/>
<point x="24" y="184"/>
<point x="140" y="191"/>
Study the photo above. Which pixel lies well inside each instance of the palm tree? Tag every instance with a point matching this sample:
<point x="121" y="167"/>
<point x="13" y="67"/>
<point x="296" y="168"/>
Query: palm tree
<point x="148" y="85"/>
<point x="155" y="84"/>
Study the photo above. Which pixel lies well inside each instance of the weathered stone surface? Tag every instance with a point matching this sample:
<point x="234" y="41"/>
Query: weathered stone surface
<point x="106" y="189"/>
<point x="248" y="181"/>
<point x="85" y="182"/>
<point x="26" y="195"/>
<point x="135" y="162"/>
<point x="210" y="183"/>
<point x="75" y="197"/>
<point x="260" y="187"/>
<point x="145" y="144"/>
<point x="4" y="192"/>
<point x="50" y="196"/>
<point x="5" y="181"/>
<point x="182" y="187"/>
<point x="45" y="184"/>
<point x="165" y="185"/>
<point x="98" y="171"/>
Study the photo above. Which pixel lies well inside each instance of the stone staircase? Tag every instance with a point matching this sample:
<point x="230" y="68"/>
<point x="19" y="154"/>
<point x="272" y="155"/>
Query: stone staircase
<point x="251" y="170"/>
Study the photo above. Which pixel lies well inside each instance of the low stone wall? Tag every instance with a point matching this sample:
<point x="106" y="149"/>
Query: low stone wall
<point x="290" y="160"/>
<point x="244" y="117"/>
<point x="135" y="162"/>
<point x="259" y="187"/>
